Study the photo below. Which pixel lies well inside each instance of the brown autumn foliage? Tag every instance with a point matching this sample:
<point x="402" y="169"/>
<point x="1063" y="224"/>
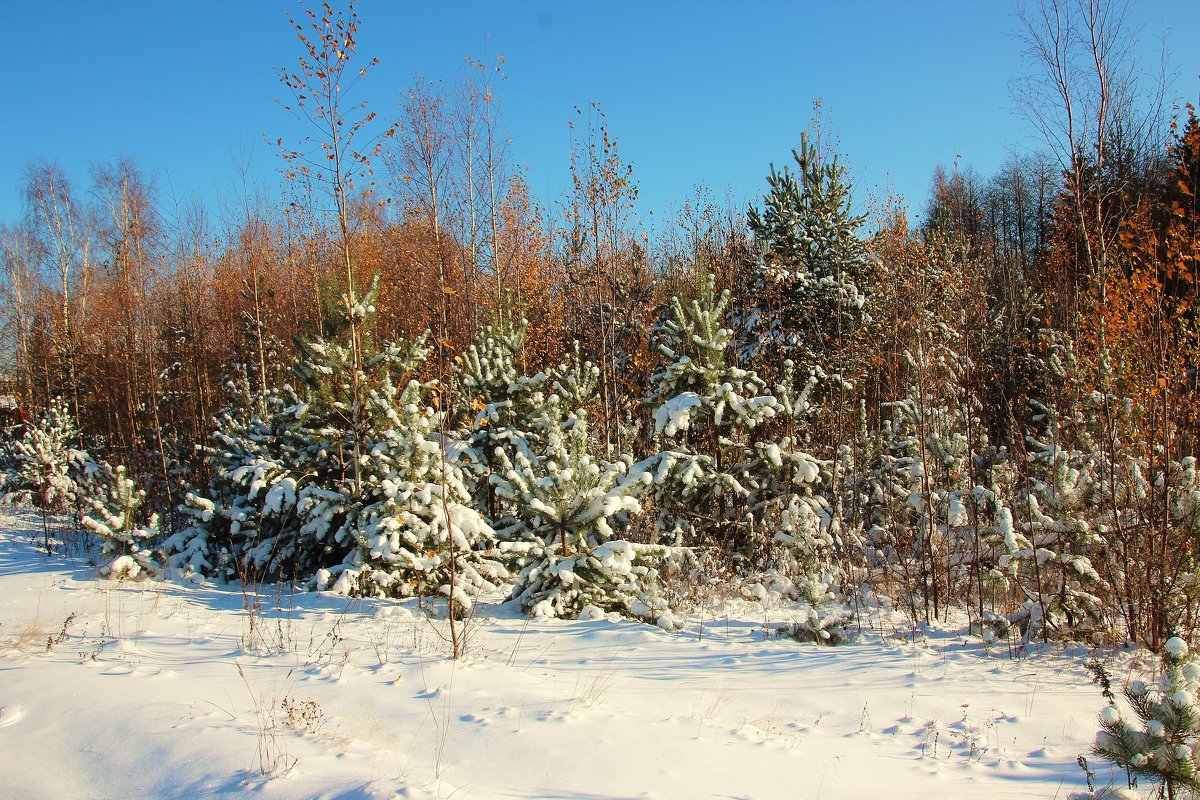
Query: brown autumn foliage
<point x="1153" y="303"/>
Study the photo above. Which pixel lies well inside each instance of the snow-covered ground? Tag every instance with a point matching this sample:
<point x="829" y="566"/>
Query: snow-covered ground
<point x="160" y="689"/>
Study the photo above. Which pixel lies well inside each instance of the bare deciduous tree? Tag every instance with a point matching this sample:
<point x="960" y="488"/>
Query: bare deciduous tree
<point x="337" y="149"/>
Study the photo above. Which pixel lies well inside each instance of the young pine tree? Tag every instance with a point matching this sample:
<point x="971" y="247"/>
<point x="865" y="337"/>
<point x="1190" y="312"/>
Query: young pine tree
<point x="288" y="496"/>
<point x="114" y="513"/>
<point x="418" y="533"/>
<point x="1163" y="744"/>
<point x="498" y="405"/>
<point x="809" y="273"/>
<point x="708" y="416"/>
<point x="44" y="466"/>
<point x="566" y="502"/>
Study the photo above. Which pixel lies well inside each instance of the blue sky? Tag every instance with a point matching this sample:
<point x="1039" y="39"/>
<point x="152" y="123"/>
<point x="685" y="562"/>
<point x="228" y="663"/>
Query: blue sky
<point x="696" y="91"/>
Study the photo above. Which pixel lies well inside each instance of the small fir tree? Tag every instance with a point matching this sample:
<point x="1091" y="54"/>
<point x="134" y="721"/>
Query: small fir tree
<point x="1163" y="745"/>
<point x="114" y="513"/>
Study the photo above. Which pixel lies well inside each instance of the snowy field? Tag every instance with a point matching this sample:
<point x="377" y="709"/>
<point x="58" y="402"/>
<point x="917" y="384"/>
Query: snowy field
<point x="161" y="689"/>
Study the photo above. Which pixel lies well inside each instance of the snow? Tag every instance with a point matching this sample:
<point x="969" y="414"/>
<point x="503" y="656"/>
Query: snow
<point x="154" y="688"/>
<point x="675" y="414"/>
<point x="121" y="567"/>
<point x="1175" y="647"/>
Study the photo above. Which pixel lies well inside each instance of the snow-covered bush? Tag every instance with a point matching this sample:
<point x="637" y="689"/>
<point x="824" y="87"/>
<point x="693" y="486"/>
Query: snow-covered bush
<point x="822" y="621"/>
<point x="189" y="550"/>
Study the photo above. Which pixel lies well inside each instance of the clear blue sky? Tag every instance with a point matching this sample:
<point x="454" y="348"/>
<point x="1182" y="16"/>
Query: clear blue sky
<point x="695" y="91"/>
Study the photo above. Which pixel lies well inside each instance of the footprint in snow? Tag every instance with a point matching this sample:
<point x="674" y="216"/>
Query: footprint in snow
<point x="10" y="715"/>
<point x="555" y="716"/>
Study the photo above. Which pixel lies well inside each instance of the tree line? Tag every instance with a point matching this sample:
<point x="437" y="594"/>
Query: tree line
<point x="411" y="376"/>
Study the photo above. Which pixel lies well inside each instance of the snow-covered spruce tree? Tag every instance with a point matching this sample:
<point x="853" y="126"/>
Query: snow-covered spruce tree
<point x="296" y="487"/>
<point x="496" y="406"/>
<point x="1163" y="745"/>
<point x="705" y="414"/>
<point x="566" y="501"/>
<point x="1058" y="576"/>
<point x="113" y="511"/>
<point x="418" y="533"/>
<point x="809" y="542"/>
<point x="809" y="272"/>
<point x="44" y="465"/>
<point x="286" y="498"/>
<point x="733" y="472"/>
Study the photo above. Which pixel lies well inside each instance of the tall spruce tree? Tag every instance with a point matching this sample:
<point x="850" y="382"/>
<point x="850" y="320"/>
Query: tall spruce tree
<point x="809" y="270"/>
